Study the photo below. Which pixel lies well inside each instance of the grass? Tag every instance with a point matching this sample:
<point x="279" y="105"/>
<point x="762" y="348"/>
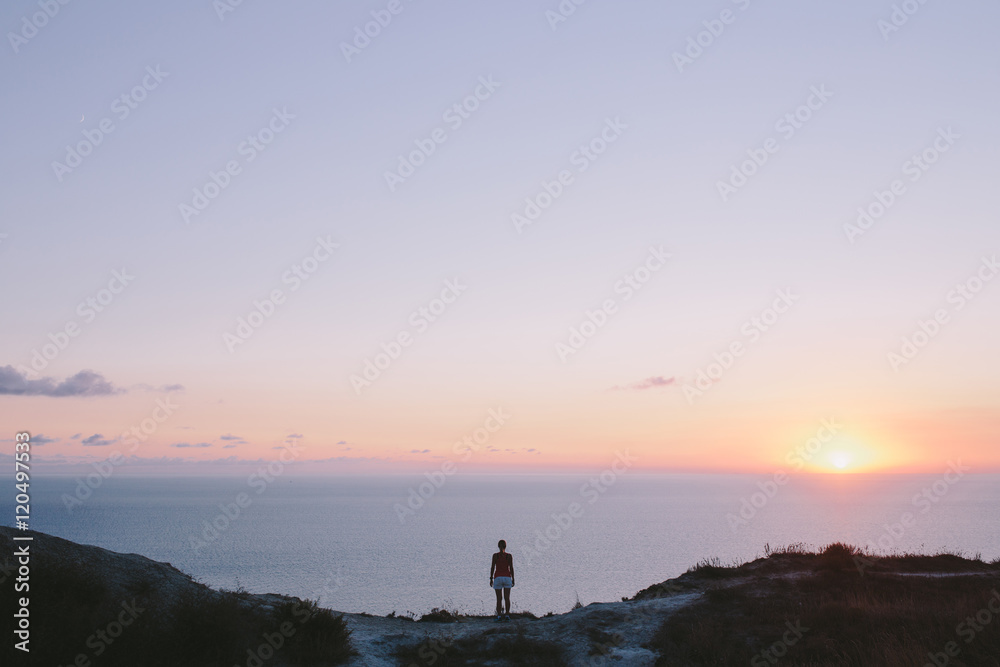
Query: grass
<point x="880" y="618"/>
<point x="513" y="649"/>
<point x="201" y="627"/>
<point x="437" y="615"/>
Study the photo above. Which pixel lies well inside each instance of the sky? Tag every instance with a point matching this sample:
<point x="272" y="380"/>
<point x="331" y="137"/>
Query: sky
<point x="705" y="233"/>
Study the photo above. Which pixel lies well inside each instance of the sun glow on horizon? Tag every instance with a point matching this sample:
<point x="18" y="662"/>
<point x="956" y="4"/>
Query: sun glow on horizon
<point x="847" y="454"/>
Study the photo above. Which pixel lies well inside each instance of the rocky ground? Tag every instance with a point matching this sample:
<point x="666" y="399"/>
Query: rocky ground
<point x="600" y="633"/>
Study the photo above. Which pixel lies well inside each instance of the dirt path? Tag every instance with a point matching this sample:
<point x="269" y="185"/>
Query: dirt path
<point x="628" y="625"/>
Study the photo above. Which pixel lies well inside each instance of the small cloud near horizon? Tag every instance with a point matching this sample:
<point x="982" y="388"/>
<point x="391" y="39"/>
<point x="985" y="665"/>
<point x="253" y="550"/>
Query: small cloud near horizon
<point x="42" y="440"/>
<point x="84" y="383"/>
<point x="96" y="440"/>
<point x="187" y="444"/>
<point x="164" y="388"/>
<point x="420" y="451"/>
<point x="648" y="383"/>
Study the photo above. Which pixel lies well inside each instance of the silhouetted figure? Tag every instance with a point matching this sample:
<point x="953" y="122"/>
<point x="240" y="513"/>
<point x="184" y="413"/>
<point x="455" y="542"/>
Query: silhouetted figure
<point x="503" y="569"/>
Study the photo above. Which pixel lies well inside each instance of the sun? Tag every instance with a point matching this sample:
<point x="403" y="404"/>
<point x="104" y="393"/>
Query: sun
<point x="844" y="453"/>
<point x="840" y="459"/>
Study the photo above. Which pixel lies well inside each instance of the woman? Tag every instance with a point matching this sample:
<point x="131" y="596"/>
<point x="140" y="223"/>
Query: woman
<point x="503" y="567"/>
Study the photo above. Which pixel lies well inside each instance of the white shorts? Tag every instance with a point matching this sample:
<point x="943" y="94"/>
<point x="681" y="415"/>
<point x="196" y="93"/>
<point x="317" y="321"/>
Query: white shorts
<point x="502" y="582"/>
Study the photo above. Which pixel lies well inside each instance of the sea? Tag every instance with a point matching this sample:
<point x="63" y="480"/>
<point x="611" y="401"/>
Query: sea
<point x="408" y="543"/>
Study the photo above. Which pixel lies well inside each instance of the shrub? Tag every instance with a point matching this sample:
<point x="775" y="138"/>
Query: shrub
<point x="881" y="618"/>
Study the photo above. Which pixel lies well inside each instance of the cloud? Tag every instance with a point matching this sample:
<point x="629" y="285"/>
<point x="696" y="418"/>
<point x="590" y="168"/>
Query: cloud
<point x="648" y="383"/>
<point x="96" y="440"/>
<point x="76" y="436"/>
<point x="84" y="383"/>
<point x="42" y="440"/>
<point x="187" y="444"/>
<point x="420" y="451"/>
<point x="294" y="436"/>
<point x="234" y="438"/>
<point x="228" y="446"/>
<point x="342" y="442"/>
<point x="161" y="388"/>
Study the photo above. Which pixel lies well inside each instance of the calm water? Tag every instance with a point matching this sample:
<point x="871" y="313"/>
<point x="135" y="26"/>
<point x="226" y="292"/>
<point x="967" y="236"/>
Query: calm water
<point x="341" y="537"/>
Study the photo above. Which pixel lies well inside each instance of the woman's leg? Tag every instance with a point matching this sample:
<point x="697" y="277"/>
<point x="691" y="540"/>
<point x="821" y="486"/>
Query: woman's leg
<point x="506" y="597"/>
<point x="499" y="593"/>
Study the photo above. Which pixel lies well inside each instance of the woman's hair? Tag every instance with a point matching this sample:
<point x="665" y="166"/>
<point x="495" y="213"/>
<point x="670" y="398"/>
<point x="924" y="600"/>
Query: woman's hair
<point x="502" y="544"/>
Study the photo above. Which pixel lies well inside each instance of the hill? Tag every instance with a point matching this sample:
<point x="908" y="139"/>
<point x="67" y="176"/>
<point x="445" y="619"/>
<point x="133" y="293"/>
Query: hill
<point x="841" y="607"/>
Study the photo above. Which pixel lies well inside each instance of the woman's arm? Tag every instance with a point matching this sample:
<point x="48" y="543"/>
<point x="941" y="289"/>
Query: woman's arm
<point x="493" y="566"/>
<point x="510" y="563"/>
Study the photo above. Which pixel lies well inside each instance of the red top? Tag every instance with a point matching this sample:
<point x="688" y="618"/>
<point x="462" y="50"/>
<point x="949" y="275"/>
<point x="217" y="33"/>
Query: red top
<point x="503" y="561"/>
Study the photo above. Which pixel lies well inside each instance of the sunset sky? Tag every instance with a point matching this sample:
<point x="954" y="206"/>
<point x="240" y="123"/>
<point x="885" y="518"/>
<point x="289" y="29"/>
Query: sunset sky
<point x="636" y="230"/>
